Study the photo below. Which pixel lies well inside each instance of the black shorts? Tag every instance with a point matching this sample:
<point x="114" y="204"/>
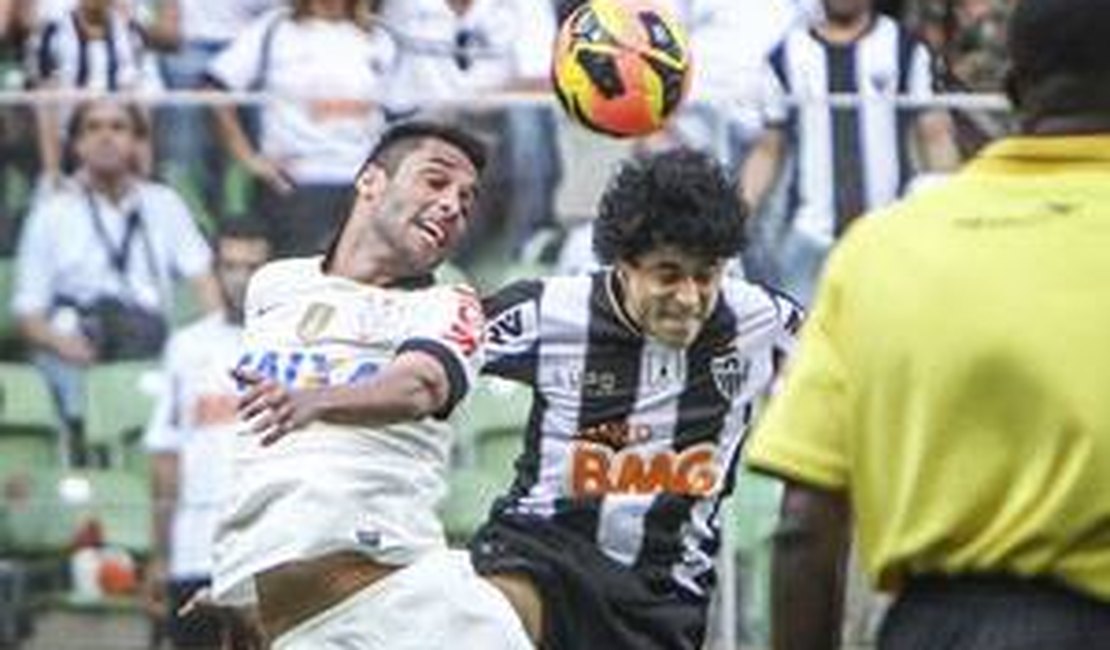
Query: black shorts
<point x="590" y="601"/>
<point x="994" y="613"/>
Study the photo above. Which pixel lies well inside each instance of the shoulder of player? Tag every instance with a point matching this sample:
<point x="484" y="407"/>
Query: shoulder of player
<point x="752" y="301"/>
<point x="280" y="278"/>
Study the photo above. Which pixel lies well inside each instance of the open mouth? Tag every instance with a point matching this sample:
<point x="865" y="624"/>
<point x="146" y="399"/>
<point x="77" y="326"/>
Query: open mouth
<point x="433" y="233"/>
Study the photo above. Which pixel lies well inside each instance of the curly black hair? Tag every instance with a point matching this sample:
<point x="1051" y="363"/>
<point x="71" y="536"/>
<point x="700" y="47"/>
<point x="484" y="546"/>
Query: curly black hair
<point x="681" y="198"/>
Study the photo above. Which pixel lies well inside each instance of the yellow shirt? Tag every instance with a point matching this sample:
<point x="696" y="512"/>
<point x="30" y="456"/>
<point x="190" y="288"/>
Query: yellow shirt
<point x="954" y="377"/>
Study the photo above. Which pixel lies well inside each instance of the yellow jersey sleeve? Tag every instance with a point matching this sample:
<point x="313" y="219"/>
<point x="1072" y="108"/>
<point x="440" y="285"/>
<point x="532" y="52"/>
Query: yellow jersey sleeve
<point x="802" y="436"/>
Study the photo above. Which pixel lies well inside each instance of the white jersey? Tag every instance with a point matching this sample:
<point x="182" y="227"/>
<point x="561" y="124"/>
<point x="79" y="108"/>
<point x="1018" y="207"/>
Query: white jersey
<point x="329" y="488"/>
<point x="195" y="419"/>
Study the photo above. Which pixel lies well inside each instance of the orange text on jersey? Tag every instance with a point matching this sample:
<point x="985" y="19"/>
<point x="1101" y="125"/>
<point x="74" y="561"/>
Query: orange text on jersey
<point x="597" y="470"/>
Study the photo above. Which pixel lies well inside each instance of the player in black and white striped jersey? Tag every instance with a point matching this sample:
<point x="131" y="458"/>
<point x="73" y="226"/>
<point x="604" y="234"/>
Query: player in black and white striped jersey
<point x="645" y="377"/>
<point x="847" y="160"/>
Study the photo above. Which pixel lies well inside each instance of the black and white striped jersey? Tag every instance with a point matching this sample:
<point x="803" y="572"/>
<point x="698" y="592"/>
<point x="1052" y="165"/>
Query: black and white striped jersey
<point x="633" y="444"/>
<point x="848" y="160"/>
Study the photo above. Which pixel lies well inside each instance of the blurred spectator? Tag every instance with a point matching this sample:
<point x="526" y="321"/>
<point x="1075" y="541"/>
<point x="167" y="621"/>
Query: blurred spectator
<point x="458" y="50"/>
<point x="970" y="36"/>
<point x="735" y="36"/>
<point x="97" y="45"/>
<point x="97" y="260"/>
<point x="845" y="159"/>
<point x="188" y="154"/>
<point x="329" y="73"/>
<point x="190" y="439"/>
<point x="720" y="115"/>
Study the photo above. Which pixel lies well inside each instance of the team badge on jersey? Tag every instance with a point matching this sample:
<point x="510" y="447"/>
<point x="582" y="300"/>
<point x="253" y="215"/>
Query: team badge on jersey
<point x="730" y="373"/>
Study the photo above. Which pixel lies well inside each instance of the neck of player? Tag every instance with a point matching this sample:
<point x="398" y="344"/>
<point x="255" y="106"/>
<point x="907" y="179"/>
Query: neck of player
<point x="845" y="29"/>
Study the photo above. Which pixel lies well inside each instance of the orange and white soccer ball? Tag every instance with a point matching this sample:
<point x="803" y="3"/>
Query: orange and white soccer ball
<point x="621" y="67"/>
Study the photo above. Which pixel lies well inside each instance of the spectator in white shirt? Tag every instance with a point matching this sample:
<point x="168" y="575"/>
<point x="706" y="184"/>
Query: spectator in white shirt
<point x="191" y="435"/>
<point x="97" y="46"/>
<point x="103" y="252"/>
<point x="455" y="50"/>
<point x="329" y="74"/>
<point x="188" y="151"/>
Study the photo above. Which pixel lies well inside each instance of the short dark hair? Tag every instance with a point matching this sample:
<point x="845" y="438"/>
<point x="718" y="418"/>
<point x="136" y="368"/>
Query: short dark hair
<point x="1059" y="56"/>
<point x="681" y="198"/>
<point x="242" y="227"/>
<point x="400" y="140"/>
<point x="396" y="144"/>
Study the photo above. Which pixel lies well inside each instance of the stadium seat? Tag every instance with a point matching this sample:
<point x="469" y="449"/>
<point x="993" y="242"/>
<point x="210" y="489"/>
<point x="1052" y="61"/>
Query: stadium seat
<point x="7" y="319"/>
<point x="186" y="307"/>
<point x="26" y="404"/>
<point x="491" y="425"/>
<point x="755" y="511"/>
<point x="118" y="403"/>
<point x="57" y="503"/>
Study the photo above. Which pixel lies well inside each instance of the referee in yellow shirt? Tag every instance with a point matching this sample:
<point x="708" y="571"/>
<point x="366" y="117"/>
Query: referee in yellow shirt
<point x="950" y="397"/>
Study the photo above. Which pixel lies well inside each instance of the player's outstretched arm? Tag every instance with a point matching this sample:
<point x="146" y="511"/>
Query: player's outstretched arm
<point x="414" y="385"/>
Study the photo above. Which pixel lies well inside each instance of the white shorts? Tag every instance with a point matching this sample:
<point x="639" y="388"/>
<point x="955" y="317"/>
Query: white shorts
<point x="436" y="602"/>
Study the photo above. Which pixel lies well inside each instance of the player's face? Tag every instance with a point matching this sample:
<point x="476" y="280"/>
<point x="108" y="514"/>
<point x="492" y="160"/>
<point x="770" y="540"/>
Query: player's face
<point x="671" y="294"/>
<point x="428" y="204"/>
<point x="237" y="258"/>
<point x="106" y="142"/>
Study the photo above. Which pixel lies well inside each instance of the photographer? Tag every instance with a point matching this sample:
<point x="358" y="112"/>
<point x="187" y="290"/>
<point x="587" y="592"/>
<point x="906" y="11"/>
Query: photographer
<point x="97" y="260"/>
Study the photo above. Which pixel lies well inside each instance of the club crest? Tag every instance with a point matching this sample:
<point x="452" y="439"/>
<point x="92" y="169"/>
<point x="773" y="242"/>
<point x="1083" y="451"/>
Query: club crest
<point x="730" y="373"/>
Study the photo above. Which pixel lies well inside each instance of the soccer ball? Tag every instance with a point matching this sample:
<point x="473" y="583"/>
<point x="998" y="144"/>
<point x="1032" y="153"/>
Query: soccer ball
<point x="620" y="67"/>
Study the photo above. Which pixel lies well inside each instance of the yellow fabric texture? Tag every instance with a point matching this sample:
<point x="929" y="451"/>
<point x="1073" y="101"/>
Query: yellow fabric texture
<point x="954" y="377"/>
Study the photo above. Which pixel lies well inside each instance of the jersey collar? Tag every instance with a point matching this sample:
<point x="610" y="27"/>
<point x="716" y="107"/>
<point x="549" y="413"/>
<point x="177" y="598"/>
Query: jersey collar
<point x="1044" y="153"/>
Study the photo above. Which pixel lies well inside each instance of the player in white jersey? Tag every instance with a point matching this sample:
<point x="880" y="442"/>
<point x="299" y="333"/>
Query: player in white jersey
<point x="333" y="532"/>
<point x="189" y="438"/>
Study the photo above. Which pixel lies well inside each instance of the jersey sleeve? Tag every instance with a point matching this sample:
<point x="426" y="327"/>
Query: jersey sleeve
<point x="192" y="256"/>
<point x="512" y="330"/>
<point x="239" y="65"/>
<point x="802" y="436"/>
<point x="790" y="318"/>
<point x="449" y="328"/>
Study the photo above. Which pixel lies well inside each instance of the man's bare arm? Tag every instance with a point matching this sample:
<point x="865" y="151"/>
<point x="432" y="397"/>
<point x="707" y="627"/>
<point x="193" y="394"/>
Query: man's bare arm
<point x="414" y="385"/>
<point x="808" y="569"/>
<point x="762" y="167"/>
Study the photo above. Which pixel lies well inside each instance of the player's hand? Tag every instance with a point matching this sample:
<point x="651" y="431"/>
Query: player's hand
<point x="271" y="410"/>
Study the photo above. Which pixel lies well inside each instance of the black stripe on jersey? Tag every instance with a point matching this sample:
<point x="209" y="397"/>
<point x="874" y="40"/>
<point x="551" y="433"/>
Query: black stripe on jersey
<point x="905" y="115"/>
<point x="110" y="43"/>
<point x="702" y="410"/>
<point x="609" y="381"/>
<point x="47" y="59"/>
<point x="456" y="376"/>
<point x="526" y="469"/>
<point x="82" y="52"/>
<point x="848" y="181"/>
<point x="517" y="367"/>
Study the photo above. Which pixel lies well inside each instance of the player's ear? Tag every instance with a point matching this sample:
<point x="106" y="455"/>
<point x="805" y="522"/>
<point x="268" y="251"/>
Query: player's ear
<point x="371" y="182"/>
